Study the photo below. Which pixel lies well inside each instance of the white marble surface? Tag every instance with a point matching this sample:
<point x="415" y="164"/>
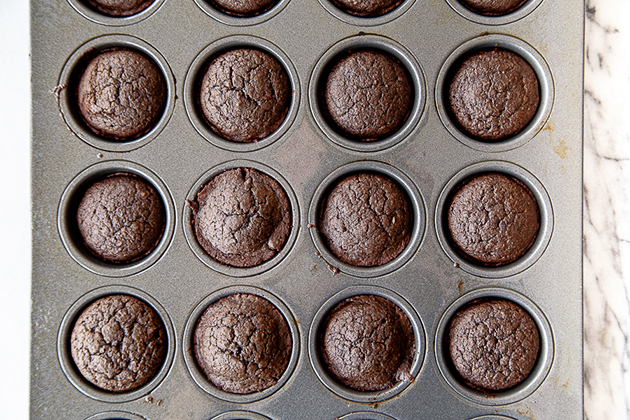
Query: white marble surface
<point x="606" y="210"/>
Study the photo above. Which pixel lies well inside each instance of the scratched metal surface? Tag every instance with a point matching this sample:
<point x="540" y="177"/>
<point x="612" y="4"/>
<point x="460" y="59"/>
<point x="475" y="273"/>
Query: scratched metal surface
<point x="429" y="281"/>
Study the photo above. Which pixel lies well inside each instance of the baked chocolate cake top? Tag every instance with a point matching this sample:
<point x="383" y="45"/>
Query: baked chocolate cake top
<point x="493" y="219"/>
<point x="242" y="343"/>
<point x="243" y="8"/>
<point x="493" y="95"/>
<point x="493" y="344"/>
<point x="367" y="8"/>
<point x="121" y="94"/>
<point x="366" y="220"/>
<point x="242" y="217"/>
<point x="368" y="343"/>
<point x="368" y="95"/>
<point x="121" y="218"/>
<point x="118" y="343"/>
<point x="120" y="8"/>
<point x="492" y="7"/>
<point x="245" y="95"/>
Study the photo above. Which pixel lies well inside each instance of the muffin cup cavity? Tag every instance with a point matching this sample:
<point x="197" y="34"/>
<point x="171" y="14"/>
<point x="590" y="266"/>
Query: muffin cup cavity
<point x="366" y="415"/>
<point x="68" y="226"/>
<point x="518" y="392"/>
<point x="413" y="196"/>
<point x="115" y="415"/>
<point x="91" y="13"/>
<point x="198" y="375"/>
<point x="500" y="42"/>
<point x="534" y="252"/>
<point x="232" y="20"/>
<point x="192" y="85"/>
<point x="525" y="9"/>
<point x="319" y="366"/>
<point x="66" y="91"/>
<point x="379" y="44"/>
<point x="240" y="415"/>
<point x="76" y="378"/>
<point x="198" y="250"/>
<point x="351" y="19"/>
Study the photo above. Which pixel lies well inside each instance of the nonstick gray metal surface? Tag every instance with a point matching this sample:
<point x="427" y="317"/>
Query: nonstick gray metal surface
<point x="427" y="157"/>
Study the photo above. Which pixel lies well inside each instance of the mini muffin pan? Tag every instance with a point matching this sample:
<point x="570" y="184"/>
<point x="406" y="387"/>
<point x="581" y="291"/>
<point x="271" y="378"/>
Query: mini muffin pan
<point x="428" y="157"/>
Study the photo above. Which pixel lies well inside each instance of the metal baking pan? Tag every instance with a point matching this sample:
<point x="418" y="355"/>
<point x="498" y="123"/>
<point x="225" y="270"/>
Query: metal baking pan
<point x="428" y="157"/>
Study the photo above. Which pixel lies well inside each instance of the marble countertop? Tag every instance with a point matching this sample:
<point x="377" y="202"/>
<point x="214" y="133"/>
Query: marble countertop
<point x="606" y="210"/>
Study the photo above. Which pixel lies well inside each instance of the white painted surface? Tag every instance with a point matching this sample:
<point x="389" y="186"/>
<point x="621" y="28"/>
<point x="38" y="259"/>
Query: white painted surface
<point x="15" y="214"/>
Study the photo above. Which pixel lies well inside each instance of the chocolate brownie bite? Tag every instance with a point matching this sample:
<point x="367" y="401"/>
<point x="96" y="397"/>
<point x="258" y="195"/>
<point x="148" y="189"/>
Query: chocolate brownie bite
<point x="245" y="95"/>
<point x="242" y="217"/>
<point x="367" y="343"/>
<point x="121" y="94"/>
<point x="366" y="220"/>
<point x="368" y="95"/>
<point x="493" y="344"/>
<point x="367" y="8"/>
<point x="118" y="343"/>
<point x="493" y="95"/>
<point x="121" y="218"/>
<point x="493" y="219"/>
<point x="120" y="8"/>
<point x="242" y="343"/>
<point x="243" y="8"/>
<point x="492" y="7"/>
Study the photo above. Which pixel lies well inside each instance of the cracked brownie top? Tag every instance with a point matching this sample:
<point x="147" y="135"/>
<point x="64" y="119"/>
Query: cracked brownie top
<point x="120" y="8"/>
<point x="366" y="220"/>
<point x="118" y="343"/>
<point x="368" y="95"/>
<point x="493" y="344"/>
<point x="243" y="8"/>
<point x="121" y="218"/>
<point x="493" y="7"/>
<point x="367" y="343"/>
<point x="367" y="8"/>
<point x="493" y="95"/>
<point x="245" y="95"/>
<point x="242" y="217"/>
<point x="242" y="343"/>
<point x="493" y="219"/>
<point x="121" y="94"/>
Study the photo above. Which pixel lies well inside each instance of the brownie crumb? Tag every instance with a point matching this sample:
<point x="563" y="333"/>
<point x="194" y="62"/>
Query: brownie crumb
<point x="493" y="219"/>
<point x="492" y="7"/>
<point x="493" y="344"/>
<point x="121" y="218"/>
<point x="120" y="8"/>
<point x="368" y="95"/>
<point x="242" y="343"/>
<point x="245" y="95"/>
<point x="121" y="94"/>
<point x="242" y="217"/>
<point x="118" y="343"/>
<point x="368" y="343"/>
<point x="493" y="95"/>
<point x="366" y="220"/>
